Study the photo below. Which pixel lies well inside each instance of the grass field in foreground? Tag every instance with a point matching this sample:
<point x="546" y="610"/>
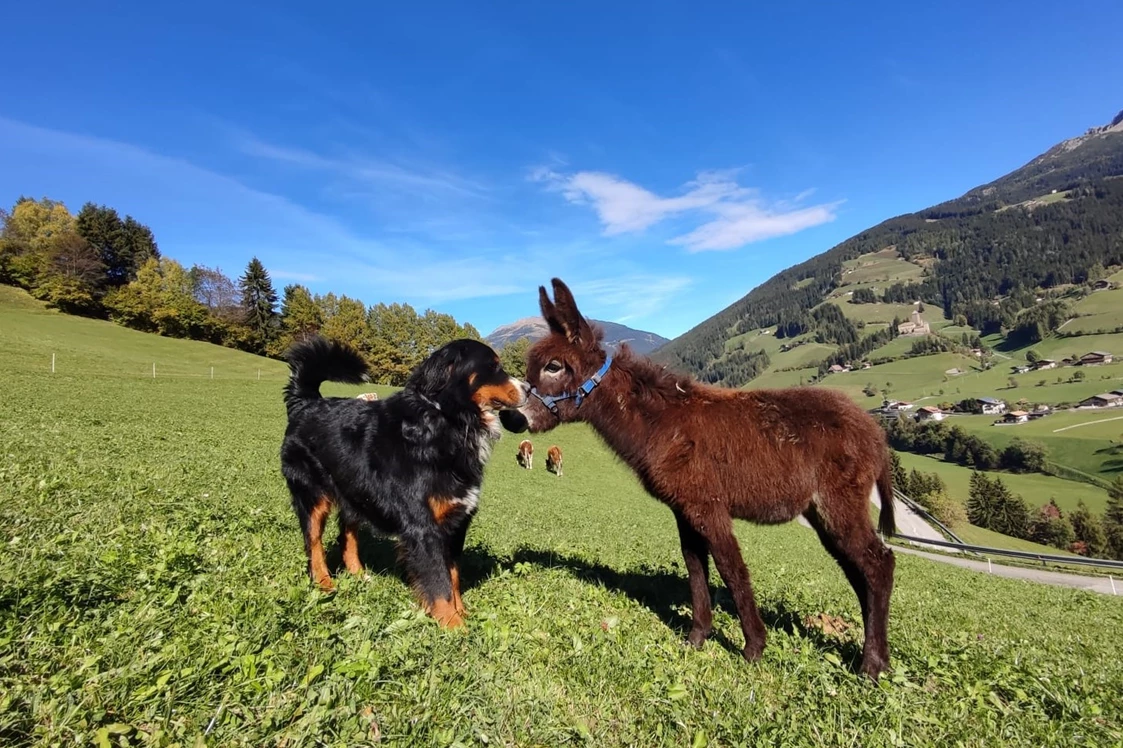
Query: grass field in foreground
<point x="154" y="588"/>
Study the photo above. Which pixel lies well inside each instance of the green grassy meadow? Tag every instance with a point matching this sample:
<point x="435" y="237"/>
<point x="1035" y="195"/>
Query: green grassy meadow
<point x="1035" y="488"/>
<point x="154" y="593"/>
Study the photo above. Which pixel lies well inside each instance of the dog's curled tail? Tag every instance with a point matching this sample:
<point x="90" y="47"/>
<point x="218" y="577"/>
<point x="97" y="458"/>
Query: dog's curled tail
<point x="320" y="360"/>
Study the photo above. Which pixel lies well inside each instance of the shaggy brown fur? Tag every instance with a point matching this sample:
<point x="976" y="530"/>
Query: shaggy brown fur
<point x="714" y="455"/>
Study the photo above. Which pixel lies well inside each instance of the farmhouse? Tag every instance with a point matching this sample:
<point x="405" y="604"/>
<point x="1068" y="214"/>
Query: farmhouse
<point x="1095" y="358"/>
<point x="1016" y="416"/>
<point x="836" y="369"/>
<point x="915" y="326"/>
<point x="1045" y="363"/>
<point x="991" y="406"/>
<point x="1020" y="369"/>
<point x="1106" y="400"/>
<point x="930" y="413"/>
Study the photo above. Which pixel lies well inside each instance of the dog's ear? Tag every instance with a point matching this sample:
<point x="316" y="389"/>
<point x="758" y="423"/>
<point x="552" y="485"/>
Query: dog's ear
<point x="435" y="377"/>
<point x="574" y="326"/>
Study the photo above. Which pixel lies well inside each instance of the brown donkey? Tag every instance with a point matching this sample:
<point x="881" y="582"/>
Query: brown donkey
<point x="810" y="451"/>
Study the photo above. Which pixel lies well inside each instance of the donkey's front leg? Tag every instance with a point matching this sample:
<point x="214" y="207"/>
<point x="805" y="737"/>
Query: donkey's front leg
<point x="717" y="529"/>
<point x="697" y="557"/>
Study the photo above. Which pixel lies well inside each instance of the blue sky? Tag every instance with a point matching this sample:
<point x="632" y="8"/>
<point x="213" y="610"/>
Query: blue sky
<point x="661" y="158"/>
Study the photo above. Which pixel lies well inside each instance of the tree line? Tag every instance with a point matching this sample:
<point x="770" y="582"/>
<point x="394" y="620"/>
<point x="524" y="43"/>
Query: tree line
<point x="962" y="448"/>
<point x="100" y="265"/>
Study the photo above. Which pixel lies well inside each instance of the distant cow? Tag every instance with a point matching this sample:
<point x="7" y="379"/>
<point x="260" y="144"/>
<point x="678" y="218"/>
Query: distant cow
<point x="554" y="460"/>
<point x="525" y="456"/>
<point x="367" y="396"/>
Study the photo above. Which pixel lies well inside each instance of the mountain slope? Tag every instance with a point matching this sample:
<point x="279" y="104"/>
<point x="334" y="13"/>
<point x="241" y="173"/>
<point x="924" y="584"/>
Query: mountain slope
<point x="534" y="328"/>
<point x="1046" y="224"/>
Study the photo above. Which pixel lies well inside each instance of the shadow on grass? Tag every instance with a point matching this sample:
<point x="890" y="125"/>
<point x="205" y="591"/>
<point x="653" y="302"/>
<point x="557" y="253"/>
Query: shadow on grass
<point x="666" y="594"/>
<point x="379" y="555"/>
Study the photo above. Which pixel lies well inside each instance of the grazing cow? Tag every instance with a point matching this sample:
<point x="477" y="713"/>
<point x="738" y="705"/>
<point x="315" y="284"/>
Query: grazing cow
<point x="368" y="396"/>
<point x="554" y="460"/>
<point x="713" y="455"/>
<point x="525" y="456"/>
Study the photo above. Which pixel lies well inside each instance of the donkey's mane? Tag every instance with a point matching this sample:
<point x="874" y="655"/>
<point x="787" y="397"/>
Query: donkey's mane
<point x="652" y="381"/>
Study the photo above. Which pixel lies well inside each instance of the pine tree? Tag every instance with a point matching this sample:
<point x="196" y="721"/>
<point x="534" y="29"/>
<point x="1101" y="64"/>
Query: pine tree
<point x="259" y="305"/>
<point x="1088" y="530"/>
<point x="1113" y="519"/>
<point x="900" y="475"/>
<point x="1011" y="512"/>
<point x="301" y="316"/>
<point x="513" y="357"/>
<point x="980" y="500"/>
<point x="123" y="245"/>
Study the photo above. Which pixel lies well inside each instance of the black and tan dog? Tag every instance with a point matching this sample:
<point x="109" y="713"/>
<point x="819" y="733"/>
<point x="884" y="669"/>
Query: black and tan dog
<point x="410" y="465"/>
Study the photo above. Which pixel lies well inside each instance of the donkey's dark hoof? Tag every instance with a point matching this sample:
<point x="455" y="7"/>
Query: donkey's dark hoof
<point x="873" y="668"/>
<point x="753" y="652"/>
<point x="697" y="638"/>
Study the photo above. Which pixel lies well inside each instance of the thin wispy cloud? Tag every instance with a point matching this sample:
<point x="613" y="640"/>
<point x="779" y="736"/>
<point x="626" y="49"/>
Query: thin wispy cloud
<point x="283" y="232"/>
<point x="363" y="169"/>
<point x="630" y="297"/>
<point x="729" y="215"/>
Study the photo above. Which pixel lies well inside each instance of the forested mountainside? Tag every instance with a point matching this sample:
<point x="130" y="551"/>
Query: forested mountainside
<point x="1055" y="221"/>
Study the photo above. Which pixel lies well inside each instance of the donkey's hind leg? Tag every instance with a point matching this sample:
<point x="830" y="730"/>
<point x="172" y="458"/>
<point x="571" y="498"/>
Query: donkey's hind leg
<point x="716" y="526"/>
<point x="696" y="554"/>
<point x="868" y="565"/>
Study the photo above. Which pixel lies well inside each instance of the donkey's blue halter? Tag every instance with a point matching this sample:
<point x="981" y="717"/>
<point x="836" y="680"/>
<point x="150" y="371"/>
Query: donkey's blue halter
<point x="551" y="401"/>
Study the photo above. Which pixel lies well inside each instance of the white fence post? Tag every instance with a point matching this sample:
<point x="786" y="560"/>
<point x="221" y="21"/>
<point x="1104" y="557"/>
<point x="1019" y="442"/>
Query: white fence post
<point x="212" y="372"/>
<point x="153" y="369"/>
<point x="1112" y="580"/>
<point x="990" y="567"/>
<point x="52" y="363"/>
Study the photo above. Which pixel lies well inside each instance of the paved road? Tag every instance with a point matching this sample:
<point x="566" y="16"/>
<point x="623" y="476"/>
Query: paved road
<point x="1042" y="576"/>
<point x="910" y="523"/>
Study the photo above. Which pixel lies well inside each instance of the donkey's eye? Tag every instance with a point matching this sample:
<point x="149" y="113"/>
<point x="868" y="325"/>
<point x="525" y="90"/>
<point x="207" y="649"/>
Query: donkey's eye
<point x="553" y="367"/>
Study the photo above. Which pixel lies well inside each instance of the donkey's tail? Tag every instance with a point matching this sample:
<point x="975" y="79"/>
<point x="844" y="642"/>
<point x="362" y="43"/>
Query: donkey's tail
<point x="885" y="523"/>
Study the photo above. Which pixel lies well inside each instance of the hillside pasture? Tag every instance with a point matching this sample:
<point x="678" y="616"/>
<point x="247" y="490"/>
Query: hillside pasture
<point x="1063" y="347"/>
<point x="1100" y="310"/>
<point x="1035" y="488"/>
<point x="1090" y="441"/>
<point x="909" y="379"/>
<point x="773" y="379"/>
<point x="155" y="594"/>
<point x="884" y="267"/>
<point x="875" y="313"/>
<point x="801" y="356"/>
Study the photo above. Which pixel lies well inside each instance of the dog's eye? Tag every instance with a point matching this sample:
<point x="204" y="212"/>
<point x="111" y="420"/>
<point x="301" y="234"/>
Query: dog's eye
<point x="553" y="367"/>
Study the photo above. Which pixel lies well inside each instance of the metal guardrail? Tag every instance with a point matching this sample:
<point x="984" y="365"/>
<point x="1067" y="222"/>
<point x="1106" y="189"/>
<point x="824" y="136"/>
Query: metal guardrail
<point x="1042" y="557"/>
<point x="958" y="544"/>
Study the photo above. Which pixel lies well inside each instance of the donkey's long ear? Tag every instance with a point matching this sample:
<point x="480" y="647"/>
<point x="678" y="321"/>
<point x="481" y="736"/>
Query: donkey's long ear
<point x="549" y="312"/>
<point x="576" y="328"/>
